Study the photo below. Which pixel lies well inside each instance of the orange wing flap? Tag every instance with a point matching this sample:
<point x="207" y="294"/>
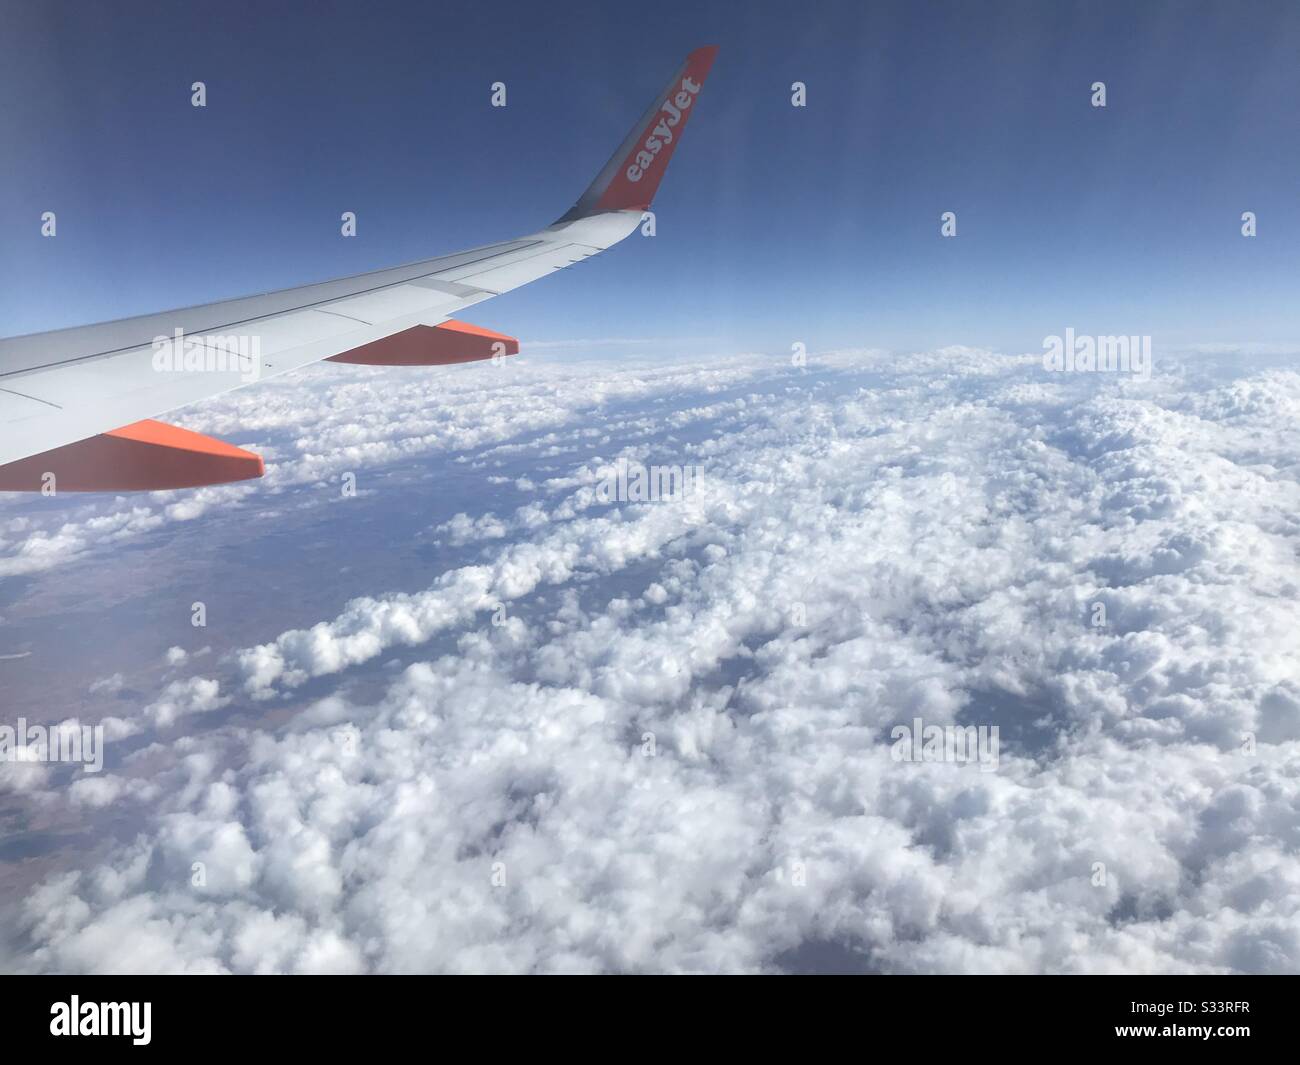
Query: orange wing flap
<point x="432" y="345"/>
<point x="146" y="456"/>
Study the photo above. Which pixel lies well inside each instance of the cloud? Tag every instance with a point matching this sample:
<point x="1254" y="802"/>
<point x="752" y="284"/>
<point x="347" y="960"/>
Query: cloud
<point x="318" y="424"/>
<point x="656" y="737"/>
<point x="109" y="685"/>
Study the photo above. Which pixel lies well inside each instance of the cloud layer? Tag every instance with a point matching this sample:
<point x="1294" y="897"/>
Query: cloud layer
<point x="656" y="737"/>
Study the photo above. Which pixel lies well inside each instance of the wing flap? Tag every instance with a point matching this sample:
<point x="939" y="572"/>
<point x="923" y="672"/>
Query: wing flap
<point x="441" y="345"/>
<point x="148" y="456"/>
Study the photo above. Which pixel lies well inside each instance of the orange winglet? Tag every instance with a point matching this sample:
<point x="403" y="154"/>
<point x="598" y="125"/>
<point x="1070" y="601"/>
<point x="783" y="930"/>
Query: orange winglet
<point x="147" y="456"/>
<point x="635" y="182"/>
<point x="432" y="345"/>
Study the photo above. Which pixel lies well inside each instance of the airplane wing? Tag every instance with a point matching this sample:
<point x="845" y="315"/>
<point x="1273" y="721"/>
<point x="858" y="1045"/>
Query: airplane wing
<point x="76" y="405"/>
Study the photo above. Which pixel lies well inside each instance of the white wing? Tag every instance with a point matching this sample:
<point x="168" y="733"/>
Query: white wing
<point x="64" y="393"/>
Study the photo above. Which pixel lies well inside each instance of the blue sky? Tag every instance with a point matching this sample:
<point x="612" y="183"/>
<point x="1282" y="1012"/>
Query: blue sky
<point x="776" y="224"/>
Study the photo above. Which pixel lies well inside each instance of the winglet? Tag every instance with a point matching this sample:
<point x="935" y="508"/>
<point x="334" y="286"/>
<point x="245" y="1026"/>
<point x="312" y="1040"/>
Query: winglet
<point x="632" y="175"/>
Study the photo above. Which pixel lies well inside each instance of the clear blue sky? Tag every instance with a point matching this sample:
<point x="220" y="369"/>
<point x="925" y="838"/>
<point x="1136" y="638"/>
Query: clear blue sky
<point x="775" y="224"/>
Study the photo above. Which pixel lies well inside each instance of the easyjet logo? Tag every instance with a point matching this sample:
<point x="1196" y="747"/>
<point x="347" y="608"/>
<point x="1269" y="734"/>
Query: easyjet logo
<point x="670" y="115"/>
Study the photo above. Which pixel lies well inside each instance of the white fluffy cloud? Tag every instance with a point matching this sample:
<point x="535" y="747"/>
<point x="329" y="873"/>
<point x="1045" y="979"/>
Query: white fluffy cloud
<point x="656" y="737"/>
